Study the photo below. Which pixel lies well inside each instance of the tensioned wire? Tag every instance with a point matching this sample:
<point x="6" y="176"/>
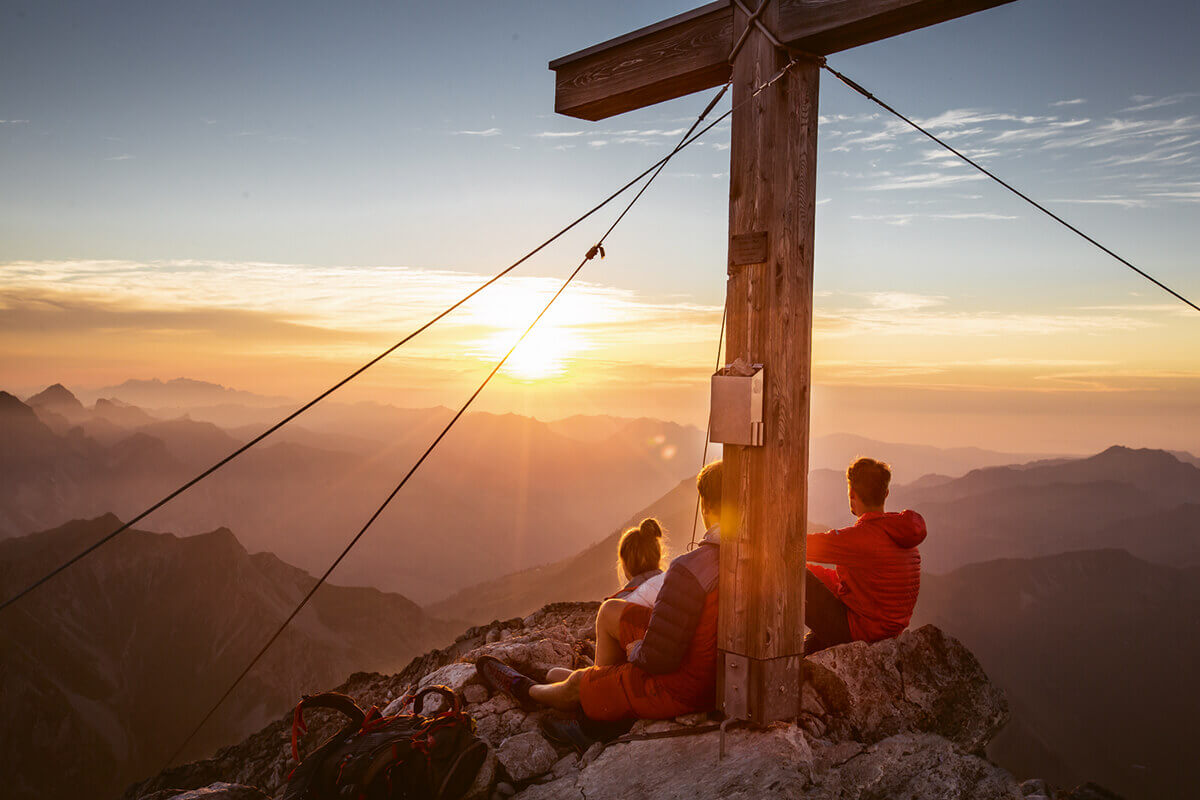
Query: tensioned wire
<point x="687" y="139"/>
<point x="858" y="88"/>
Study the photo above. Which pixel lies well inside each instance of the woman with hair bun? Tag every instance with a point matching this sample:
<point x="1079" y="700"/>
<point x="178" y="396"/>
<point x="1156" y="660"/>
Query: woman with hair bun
<point x="639" y="563"/>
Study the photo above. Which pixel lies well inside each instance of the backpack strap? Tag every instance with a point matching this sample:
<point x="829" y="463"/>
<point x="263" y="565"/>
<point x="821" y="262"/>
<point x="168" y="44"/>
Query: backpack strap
<point x="334" y="700"/>
<point x="453" y="706"/>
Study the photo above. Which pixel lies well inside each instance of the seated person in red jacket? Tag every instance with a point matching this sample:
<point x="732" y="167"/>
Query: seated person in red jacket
<point x="871" y="593"/>
<point x="651" y="663"/>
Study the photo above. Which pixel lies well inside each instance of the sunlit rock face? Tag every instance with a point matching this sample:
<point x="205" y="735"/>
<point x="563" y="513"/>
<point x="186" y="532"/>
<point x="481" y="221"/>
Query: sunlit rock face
<point x="902" y="718"/>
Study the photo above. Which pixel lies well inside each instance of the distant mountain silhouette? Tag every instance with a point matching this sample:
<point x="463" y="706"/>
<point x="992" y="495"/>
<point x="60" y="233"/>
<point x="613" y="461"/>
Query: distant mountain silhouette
<point x="1097" y="652"/>
<point x="1186" y="457"/>
<point x="909" y="461"/>
<point x="1131" y="499"/>
<point x="501" y="493"/>
<point x="105" y="670"/>
<point x="121" y="414"/>
<point x="182" y="393"/>
<point x="58" y="399"/>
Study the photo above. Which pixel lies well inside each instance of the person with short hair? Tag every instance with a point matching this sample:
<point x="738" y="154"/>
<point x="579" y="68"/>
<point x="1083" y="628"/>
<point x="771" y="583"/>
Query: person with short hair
<point x="651" y="663"/>
<point x="871" y="591"/>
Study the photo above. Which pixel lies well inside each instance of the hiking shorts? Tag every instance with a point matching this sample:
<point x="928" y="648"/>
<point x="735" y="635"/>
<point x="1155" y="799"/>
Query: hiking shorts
<point x="624" y="691"/>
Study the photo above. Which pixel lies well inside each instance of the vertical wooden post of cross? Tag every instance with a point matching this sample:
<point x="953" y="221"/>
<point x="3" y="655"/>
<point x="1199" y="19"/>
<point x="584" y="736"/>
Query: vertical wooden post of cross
<point x="772" y="198"/>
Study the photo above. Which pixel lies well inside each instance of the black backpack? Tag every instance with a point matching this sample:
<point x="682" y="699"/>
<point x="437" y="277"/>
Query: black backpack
<point x="401" y="757"/>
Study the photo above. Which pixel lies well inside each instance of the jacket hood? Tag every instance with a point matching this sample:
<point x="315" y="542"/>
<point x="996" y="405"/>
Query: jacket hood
<point x="905" y="528"/>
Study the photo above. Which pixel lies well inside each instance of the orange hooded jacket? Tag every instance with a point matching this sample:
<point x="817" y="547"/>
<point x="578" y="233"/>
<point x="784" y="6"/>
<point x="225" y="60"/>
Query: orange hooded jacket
<point x="878" y="570"/>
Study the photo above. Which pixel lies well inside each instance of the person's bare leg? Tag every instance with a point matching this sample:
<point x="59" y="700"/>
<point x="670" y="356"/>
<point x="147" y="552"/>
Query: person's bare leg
<point x="563" y="695"/>
<point x="556" y="674"/>
<point x="608" y="625"/>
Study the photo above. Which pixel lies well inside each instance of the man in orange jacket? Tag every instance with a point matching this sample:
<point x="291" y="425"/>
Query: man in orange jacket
<point x="873" y="590"/>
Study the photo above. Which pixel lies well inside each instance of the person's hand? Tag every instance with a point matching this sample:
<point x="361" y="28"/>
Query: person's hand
<point x="629" y="648"/>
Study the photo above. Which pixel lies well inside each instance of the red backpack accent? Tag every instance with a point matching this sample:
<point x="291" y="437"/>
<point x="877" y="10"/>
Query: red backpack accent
<point x="374" y="757"/>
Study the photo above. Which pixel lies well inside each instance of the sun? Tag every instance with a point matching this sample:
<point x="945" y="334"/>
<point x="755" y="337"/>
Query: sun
<point x="546" y="353"/>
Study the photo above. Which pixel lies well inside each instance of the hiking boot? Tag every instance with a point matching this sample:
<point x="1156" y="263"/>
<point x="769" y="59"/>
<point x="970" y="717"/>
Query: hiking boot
<point x="565" y="730"/>
<point x="500" y="677"/>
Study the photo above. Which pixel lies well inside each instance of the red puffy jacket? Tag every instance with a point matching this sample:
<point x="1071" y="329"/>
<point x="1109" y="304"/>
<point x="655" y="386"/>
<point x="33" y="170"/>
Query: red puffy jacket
<point x="878" y="570"/>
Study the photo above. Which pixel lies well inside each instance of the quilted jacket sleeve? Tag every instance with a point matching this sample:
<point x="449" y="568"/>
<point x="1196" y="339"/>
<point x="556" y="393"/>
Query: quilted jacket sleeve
<point x="848" y="547"/>
<point x="673" y="622"/>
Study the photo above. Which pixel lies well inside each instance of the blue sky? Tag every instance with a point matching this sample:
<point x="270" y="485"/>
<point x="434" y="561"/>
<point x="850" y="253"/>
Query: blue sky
<point x="204" y="137"/>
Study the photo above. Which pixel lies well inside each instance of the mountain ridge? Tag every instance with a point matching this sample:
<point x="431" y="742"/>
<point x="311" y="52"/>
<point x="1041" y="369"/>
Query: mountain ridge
<point x="121" y="654"/>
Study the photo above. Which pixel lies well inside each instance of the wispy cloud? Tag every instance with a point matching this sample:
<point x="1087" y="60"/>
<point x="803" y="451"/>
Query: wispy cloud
<point x="923" y="180"/>
<point x="985" y="215"/>
<point x="557" y="134"/>
<point x="122" y="157"/>
<point x="486" y="132"/>
<point x="905" y="314"/>
<point x="1144" y="102"/>
<point x="114" y="297"/>
<point x="1095" y="152"/>
<point x="1105" y="200"/>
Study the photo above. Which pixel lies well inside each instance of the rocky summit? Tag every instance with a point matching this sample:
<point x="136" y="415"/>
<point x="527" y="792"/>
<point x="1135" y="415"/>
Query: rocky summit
<point x="908" y="717"/>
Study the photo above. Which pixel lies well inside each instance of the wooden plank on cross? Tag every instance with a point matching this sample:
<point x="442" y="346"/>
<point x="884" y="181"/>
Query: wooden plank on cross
<point x="673" y="58"/>
<point x="772" y="198"/>
<point x="688" y="53"/>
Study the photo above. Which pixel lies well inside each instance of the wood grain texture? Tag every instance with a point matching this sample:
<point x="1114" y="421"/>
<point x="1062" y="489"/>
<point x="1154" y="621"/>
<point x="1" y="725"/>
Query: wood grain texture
<point x="647" y="67"/>
<point x="688" y="53"/>
<point x="772" y="187"/>
<point x="830" y="26"/>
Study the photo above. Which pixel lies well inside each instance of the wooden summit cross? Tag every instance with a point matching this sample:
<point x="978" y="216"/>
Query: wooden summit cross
<point x="772" y="196"/>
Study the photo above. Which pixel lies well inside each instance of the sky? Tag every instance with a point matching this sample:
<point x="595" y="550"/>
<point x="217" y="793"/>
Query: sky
<point x="266" y="194"/>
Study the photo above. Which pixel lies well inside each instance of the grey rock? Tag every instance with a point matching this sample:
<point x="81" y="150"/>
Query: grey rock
<point x="400" y="705"/>
<point x="526" y="755"/>
<point x="692" y="720"/>
<point x="531" y="655"/>
<point x="498" y="704"/>
<point x="474" y="694"/>
<point x="215" y="791"/>
<point x="567" y="765"/>
<point x="592" y="753"/>
<point x="491" y="729"/>
<point x="505" y="789"/>
<point x="651" y="726"/>
<point x="915" y="765"/>
<point x="452" y="676"/>
<point x="1036" y="786"/>
<point x="772" y="763"/>
<point x="922" y="681"/>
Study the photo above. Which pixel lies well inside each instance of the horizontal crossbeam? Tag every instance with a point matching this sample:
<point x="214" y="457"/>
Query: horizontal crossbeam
<point x="689" y="52"/>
